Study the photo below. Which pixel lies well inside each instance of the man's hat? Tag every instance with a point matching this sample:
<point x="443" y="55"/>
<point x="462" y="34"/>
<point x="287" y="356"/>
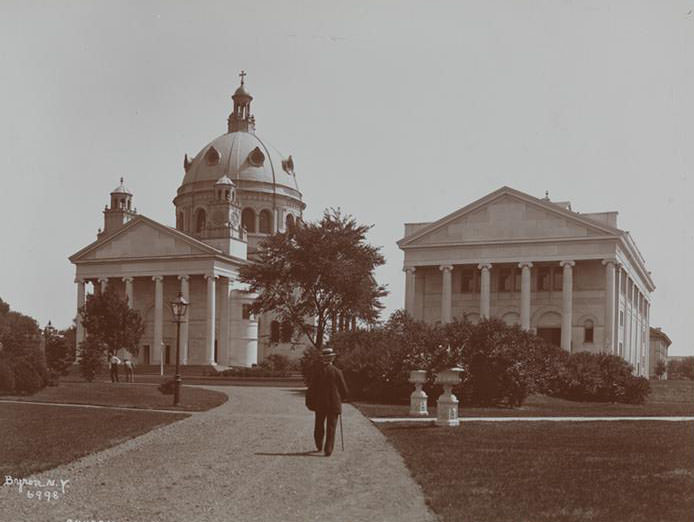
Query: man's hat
<point x="327" y="353"/>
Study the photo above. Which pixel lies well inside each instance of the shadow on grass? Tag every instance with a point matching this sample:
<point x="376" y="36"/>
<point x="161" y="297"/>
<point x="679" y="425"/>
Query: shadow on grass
<point x="313" y="453"/>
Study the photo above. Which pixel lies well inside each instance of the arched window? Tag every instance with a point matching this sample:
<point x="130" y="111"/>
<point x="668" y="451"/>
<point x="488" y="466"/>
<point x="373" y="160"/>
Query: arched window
<point x="588" y="331"/>
<point x="274" y="332"/>
<point x="248" y="219"/>
<point x="200" y="220"/>
<point x="287" y="331"/>
<point x="265" y="222"/>
<point x="290" y="222"/>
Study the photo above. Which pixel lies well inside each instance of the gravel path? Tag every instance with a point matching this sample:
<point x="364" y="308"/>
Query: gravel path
<point x="247" y="460"/>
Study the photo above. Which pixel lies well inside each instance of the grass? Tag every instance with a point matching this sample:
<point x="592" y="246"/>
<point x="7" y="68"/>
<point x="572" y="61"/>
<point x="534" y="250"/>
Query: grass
<point x="546" y="471"/>
<point x="667" y="398"/>
<point x="37" y="437"/>
<point x="636" y="471"/>
<point x="125" y="395"/>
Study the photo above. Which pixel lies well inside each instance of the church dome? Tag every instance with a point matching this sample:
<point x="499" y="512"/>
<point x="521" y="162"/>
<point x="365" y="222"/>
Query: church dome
<point x="251" y="163"/>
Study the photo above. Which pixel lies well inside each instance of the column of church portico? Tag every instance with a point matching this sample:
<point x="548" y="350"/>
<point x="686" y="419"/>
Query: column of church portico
<point x="525" y="295"/>
<point x="81" y="294"/>
<point x="211" y="305"/>
<point x="567" y="304"/>
<point x="609" y="304"/>
<point x="409" y="290"/>
<point x="185" y="292"/>
<point x="485" y="290"/>
<point x="129" y="290"/>
<point x="619" y="329"/>
<point x="446" y="293"/>
<point x="224" y="347"/>
<point x="158" y="339"/>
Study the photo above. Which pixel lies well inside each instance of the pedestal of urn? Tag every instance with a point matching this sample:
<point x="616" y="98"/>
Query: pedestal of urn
<point x="447" y="404"/>
<point x="418" y="398"/>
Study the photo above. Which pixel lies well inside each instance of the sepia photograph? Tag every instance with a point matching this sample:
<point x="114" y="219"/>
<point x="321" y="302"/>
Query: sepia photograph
<point x="367" y="261"/>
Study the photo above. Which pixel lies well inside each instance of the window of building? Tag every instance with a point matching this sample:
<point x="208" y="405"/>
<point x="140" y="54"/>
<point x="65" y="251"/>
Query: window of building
<point x="248" y="220"/>
<point x="246" y="312"/>
<point x="265" y="222"/>
<point x="505" y="282"/>
<point x="274" y="332"/>
<point x="588" y="331"/>
<point x="621" y="348"/>
<point x="621" y="318"/>
<point x="517" y="279"/>
<point x="558" y="279"/>
<point x="200" y="220"/>
<point x="179" y="221"/>
<point x="467" y="281"/>
<point x="543" y="279"/>
<point x="287" y="332"/>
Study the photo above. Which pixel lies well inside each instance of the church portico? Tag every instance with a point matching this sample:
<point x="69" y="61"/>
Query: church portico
<point x="569" y="288"/>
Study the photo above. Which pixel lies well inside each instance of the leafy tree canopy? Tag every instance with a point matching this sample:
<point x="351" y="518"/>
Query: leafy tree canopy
<point x="19" y="333"/>
<point x="316" y="272"/>
<point x="111" y="323"/>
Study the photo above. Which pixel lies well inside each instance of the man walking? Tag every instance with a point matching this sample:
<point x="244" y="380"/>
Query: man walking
<point x="325" y="394"/>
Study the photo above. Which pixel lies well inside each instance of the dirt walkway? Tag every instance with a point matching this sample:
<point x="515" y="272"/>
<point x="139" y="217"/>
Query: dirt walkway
<point x="247" y="460"/>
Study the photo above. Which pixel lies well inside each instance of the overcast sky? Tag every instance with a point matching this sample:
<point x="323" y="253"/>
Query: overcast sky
<point x="394" y="111"/>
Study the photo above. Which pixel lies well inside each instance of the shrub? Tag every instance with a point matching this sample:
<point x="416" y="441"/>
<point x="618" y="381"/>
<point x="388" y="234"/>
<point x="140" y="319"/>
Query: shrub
<point x="276" y="363"/>
<point x="6" y="376"/>
<point x="26" y="379"/>
<point x="93" y="358"/>
<point x="167" y="387"/>
<point x="599" y="377"/>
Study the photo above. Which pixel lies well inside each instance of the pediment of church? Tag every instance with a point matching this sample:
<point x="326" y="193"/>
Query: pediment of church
<point x="143" y="238"/>
<point x="507" y="215"/>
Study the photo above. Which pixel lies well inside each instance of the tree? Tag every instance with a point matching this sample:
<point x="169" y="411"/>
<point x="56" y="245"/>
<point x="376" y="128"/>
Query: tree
<point x="60" y="352"/>
<point x="315" y="273"/>
<point x="110" y="323"/>
<point x="19" y="333"/>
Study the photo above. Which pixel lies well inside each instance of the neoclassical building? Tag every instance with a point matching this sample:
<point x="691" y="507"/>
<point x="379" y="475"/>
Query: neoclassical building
<point x="235" y="192"/>
<point x="573" y="278"/>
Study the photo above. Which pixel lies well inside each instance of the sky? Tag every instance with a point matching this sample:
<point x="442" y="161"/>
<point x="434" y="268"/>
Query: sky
<point x="394" y="111"/>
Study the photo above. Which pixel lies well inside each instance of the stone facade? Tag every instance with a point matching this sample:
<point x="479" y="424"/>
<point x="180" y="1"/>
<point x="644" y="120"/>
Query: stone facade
<point x="659" y="344"/>
<point x="575" y="279"/>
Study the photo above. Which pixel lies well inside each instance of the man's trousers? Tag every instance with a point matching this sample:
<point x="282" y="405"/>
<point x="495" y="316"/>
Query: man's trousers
<point x="319" y="431"/>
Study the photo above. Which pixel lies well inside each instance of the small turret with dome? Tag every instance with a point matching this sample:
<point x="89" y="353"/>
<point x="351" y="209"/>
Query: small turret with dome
<point x="120" y="212"/>
<point x="263" y="181"/>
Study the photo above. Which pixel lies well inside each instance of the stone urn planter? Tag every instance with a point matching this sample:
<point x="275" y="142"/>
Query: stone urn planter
<point x="418" y="398"/>
<point x="447" y="404"/>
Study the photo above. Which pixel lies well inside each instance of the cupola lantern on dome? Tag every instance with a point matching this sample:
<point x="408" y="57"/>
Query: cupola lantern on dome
<point x="241" y="118"/>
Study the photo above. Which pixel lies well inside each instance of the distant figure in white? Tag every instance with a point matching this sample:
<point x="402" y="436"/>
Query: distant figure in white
<point x="129" y="370"/>
<point x="113" y="367"/>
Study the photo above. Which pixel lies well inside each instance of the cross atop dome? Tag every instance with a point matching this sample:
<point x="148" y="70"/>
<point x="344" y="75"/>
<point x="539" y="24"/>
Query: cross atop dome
<point x="241" y="118"/>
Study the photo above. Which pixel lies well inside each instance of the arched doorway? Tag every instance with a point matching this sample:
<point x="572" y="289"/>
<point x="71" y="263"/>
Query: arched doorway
<point x="549" y="328"/>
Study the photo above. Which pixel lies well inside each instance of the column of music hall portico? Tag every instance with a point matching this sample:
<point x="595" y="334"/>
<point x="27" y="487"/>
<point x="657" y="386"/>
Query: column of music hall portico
<point x="622" y="294"/>
<point x="212" y="282"/>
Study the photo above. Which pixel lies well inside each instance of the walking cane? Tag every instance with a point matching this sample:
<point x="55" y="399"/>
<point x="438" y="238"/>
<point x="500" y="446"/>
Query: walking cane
<point x="342" y="435"/>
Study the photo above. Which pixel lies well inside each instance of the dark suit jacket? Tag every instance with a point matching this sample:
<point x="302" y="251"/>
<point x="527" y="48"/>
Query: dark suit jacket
<point x="327" y="390"/>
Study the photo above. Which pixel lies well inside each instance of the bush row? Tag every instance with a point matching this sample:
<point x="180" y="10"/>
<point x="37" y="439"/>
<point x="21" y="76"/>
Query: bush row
<point x="24" y="374"/>
<point x="502" y="364"/>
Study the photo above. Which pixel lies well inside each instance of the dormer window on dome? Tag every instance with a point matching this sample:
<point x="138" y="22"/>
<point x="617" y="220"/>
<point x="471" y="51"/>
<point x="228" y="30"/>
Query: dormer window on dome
<point x="288" y="165"/>
<point x="256" y="157"/>
<point x="212" y="156"/>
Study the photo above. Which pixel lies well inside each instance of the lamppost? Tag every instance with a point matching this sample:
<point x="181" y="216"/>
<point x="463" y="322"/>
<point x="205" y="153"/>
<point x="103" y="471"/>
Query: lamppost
<point x="178" y="307"/>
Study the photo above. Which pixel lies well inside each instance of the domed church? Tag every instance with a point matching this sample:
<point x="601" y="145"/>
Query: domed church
<point x="235" y="192"/>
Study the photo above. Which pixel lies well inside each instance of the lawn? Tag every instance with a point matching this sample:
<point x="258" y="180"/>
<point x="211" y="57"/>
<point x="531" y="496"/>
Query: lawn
<point x="37" y="437"/>
<point x="126" y="395"/>
<point x="667" y="398"/>
<point x="619" y="471"/>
